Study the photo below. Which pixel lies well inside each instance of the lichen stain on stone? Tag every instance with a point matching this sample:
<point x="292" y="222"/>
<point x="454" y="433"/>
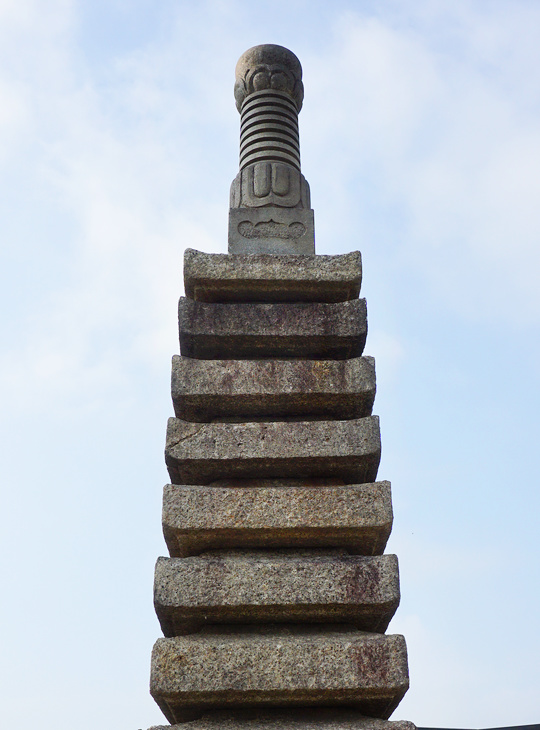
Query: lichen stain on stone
<point x="362" y="583"/>
<point x="371" y="663"/>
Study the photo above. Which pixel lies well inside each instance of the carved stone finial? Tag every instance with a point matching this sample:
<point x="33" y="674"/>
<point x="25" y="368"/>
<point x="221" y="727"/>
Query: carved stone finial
<point x="268" y="67"/>
<point x="270" y="203"/>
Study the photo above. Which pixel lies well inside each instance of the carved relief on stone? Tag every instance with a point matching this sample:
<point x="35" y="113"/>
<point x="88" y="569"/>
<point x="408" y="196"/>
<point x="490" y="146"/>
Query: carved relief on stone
<point x="268" y="67"/>
<point x="270" y="183"/>
<point x="271" y="229"/>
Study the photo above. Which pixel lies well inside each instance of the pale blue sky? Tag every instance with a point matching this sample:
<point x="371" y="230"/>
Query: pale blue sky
<point x="420" y="138"/>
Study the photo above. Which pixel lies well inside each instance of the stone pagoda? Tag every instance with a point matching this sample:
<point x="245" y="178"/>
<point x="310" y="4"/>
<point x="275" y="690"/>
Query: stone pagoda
<point x="276" y="597"/>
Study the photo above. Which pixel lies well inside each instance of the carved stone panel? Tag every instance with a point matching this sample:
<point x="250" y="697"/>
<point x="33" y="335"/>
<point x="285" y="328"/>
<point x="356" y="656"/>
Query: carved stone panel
<point x="272" y="230"/>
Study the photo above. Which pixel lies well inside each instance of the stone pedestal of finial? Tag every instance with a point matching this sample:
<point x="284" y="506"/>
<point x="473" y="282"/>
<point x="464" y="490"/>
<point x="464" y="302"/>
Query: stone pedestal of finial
<point x="276" y="596"/>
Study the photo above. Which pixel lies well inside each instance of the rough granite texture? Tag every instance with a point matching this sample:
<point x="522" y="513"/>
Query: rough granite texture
<point x="203" y="390"/>
<point x="273" y="514"/>
<point x="270" y="587"/>
<point x="271" y="667"/>
<point x="292" y="329"/>
<point x="322" y="718"/>
<point x="215" y="277"/>
<point x="200" y="453"/>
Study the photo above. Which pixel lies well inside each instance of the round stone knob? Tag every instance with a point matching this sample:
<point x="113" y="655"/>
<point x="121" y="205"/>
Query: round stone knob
<point x="268" y="67"/>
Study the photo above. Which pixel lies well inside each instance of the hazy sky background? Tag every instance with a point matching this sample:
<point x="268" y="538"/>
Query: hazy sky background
<point x="420" y="138"/>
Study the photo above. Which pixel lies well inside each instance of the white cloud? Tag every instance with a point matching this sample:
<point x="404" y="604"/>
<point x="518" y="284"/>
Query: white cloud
<point x="447" y="141"/>
<point x="133" y="208"/>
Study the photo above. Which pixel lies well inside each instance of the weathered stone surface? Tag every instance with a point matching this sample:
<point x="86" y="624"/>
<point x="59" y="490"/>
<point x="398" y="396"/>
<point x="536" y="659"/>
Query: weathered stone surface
<point x="200" y="453"/>
<point x="273" y="514"/>
<point x="203" y="390"/>
<point x="246" y="331"/>
<point x="275" y="587"/>
<point x="322" y="718"/>
<point x="213" y="277"/>
<point x="268" y="667"/>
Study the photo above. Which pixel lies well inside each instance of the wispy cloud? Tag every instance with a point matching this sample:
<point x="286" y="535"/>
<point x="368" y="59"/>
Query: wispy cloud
<point x="450" y="144"/>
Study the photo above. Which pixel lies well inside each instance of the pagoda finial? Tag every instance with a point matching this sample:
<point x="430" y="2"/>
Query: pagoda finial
<point x="270" y="201"/>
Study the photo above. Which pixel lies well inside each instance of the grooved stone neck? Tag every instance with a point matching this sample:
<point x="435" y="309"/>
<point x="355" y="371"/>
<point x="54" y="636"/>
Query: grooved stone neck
<point x="269" y="94"/>
<point x="269" y="130"/>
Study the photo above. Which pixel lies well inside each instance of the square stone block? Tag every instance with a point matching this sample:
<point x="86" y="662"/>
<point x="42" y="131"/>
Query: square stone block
<point x="278" y="668"/>
<point x="200" y="453"/>
<point x="203" y="390"/>
<point x="215" y="277"/>
<point x="277" y="514"/>
<point x="272" y="230"/>
<point x="275" y="587"/>
<point x="252" y="331"/>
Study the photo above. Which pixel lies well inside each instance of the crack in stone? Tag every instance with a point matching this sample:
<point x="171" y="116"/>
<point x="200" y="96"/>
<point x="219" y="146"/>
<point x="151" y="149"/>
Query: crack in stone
<point x="179" y="440"/>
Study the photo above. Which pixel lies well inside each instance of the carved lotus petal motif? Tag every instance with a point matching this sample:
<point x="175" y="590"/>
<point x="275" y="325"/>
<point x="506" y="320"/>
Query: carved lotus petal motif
<point x="268" y="67"/>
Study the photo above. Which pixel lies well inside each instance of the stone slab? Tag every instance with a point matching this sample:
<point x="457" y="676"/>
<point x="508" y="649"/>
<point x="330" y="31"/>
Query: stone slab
<point x="271" y="668"/>
<point x="277" y="514"/>
<point x="298" y="329"/>
<point x="200" y="453"/>
<point x="214" y="277"/>
<point x="275" y="587"/>
<point x="322" y="718"/>
<point x="203" y="390"/>
<point x="272" y="230"/>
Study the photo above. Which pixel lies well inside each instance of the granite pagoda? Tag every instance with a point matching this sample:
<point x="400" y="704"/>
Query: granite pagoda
<point x="277" y="593"/>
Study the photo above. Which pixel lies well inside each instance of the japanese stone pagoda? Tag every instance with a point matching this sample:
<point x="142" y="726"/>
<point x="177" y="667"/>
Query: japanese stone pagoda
<point x="276" y="597"/>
